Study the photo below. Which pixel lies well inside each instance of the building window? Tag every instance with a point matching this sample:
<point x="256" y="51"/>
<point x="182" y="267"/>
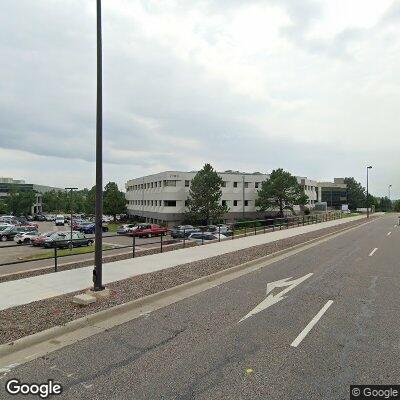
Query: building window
<point x="169" y="183"/>
<point x="159" y="203"/>
<point x="159" y="183"/>
<point x="187" y="183"/>
<point x="246" y="203"/>
<point x="256" y="185"/>
<point x="235" y="184"/>
<point x="235" y="203"/>
<point x="170" y="203"/>
<point x="223" y="184"/>
<point x="247" y="185"/>
<point x="152" y="185"/>
<point x="224" y="203"/>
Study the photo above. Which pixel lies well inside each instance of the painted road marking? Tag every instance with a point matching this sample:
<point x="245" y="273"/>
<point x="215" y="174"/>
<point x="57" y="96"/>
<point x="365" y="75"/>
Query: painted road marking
<point x="389" y="233"/>
<point x="373" y="251"/>
<point x="272" y="299"/>
<point x="311" y="324"/>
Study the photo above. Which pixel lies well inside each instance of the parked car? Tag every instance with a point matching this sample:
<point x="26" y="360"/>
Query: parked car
<point x="148" y="230"/>
<point x="10" y="232"/>
<point x="62" y="240"/>
<point x="39" y="240"/>
<point x="39" y="217"/>
<point x="4" y="225"/>
<point x="9" y="219"/>
<point x="200" y="237"/>
<point x="223" y="229"/>
<point x="182" y="231"/>
<point x="26" y="237"/>
<point x="60" y="220"/>
<point x="124" y="229"/>
<point x="50" y="217"/>
<point x="90" y="227"/>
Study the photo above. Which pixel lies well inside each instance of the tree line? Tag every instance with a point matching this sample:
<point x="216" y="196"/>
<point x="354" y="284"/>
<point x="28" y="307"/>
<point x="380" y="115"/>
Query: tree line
<point x="54" y="201"/>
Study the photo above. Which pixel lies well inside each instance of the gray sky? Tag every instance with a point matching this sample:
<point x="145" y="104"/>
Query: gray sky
<point x="310" y="86"/>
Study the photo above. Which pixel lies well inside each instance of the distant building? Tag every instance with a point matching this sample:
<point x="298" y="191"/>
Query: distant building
<point x="6" y="185"/>
<point x="333" y="193"/>
<point x="161" y="198"/>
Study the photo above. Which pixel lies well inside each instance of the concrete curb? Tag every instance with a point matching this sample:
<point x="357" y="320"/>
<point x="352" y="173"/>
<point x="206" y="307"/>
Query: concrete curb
<point x="101" y="316"/>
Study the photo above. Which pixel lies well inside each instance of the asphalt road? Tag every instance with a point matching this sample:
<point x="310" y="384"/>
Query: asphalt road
<point x="200" y="348"/>
<point x="16" y="253"/>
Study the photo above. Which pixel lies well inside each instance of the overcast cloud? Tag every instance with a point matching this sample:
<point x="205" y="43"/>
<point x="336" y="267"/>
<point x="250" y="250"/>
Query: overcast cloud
<point x="310" y="86"/>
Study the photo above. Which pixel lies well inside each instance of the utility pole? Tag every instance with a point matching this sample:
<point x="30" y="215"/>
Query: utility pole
<point x="98" y="252"/>
<point x="368" y="168"/>
<point x="71" y="189"/>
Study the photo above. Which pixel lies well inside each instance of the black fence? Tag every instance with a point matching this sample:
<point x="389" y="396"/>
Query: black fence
<point x="236" y="230"/>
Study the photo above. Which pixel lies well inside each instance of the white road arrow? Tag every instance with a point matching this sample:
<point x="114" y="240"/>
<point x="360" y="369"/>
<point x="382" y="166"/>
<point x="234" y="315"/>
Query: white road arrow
<point x="272" y="299"/>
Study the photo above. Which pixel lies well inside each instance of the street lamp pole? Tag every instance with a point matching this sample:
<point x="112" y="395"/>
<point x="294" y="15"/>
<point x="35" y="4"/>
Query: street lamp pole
<point x="368" y="168"/>
<point x="98" y="252"/>
<point x="71" y="189"/>
<point x="390" y="202"/>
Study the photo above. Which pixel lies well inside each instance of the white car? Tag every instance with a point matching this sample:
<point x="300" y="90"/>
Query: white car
<point x="60" y="220"/>
<point x="26" y="237"/>
<point x="201" y="237"/>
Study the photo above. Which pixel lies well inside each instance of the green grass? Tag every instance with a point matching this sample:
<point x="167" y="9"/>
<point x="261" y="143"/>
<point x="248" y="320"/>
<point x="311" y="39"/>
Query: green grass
<point x="64" y="252"/>
<point x="352" y="214"/>
<point x="113" y="226"/>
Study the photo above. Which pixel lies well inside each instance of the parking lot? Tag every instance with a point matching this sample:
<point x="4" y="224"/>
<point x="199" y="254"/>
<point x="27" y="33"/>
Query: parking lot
<point x="111" y="242"/>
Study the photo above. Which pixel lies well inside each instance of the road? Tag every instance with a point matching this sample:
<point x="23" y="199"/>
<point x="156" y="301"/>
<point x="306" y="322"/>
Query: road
<point x="16" y="253"/>
<point x="336" y="324"/>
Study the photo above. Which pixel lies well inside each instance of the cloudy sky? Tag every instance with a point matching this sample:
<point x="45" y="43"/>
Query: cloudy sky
<point x="311" y="86"/>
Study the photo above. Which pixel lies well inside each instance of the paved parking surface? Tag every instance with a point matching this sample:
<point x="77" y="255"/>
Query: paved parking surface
<point x="16" y="253"/>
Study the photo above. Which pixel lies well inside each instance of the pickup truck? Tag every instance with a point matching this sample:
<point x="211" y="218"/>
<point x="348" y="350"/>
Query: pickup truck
<point x="147" y="230"/>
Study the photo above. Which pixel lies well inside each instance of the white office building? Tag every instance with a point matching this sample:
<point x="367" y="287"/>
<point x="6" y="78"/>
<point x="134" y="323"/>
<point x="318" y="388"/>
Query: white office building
<point x="161" y="198"/>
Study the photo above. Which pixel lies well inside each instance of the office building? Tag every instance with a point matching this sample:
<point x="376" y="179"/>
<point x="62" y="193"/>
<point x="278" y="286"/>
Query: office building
<point x="161" y="198"/>
<point x="7" y="184"/>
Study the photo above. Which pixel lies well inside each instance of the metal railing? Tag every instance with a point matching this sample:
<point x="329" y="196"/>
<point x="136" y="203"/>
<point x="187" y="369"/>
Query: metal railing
<point x="237" y="230"/>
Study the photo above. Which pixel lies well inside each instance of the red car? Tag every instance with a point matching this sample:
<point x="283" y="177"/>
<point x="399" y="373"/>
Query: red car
<point x="147" y="230"/>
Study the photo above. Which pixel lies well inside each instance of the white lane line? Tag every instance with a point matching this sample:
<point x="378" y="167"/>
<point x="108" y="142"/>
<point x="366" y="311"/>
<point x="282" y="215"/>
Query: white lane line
<point x="373" y="251"/>
<point x="311" y="324"/>
<point x="389" y="233"/>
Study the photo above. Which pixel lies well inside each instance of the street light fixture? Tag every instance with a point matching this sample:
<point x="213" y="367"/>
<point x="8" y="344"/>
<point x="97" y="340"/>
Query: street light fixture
<point x="98" y="251"/>
<point x="71" y="189"/>
<point x="368" y="168"/>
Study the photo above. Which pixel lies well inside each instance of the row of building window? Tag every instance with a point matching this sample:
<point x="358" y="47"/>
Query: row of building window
<point x="173" y="183"/>
<point x="172" y="203"/>
<point x="307" y="187"/>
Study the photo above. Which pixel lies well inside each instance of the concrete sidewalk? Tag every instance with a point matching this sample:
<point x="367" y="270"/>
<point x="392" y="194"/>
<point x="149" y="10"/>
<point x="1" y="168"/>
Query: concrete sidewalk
<point x="23" y="291"/>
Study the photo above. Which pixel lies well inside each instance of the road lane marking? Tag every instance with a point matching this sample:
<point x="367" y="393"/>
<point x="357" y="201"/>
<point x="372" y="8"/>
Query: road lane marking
<point x="373" y="251"/>
<point x="271" y="298"/>
<point x="389" y="233"/>
<point x="311" y="324"/>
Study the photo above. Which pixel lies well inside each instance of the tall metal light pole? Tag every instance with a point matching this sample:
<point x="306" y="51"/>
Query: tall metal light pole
<point x="71" y="189"/>
<point x="390" y="202"/>
<point x="98" y="252"/>
<point x="368" y="168"/>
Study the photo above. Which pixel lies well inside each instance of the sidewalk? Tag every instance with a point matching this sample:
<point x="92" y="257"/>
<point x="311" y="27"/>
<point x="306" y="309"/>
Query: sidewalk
<point x="23" y="291"/>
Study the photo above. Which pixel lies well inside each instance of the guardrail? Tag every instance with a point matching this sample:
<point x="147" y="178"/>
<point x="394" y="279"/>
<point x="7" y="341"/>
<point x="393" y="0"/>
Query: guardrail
<point x="239" y="229"/>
